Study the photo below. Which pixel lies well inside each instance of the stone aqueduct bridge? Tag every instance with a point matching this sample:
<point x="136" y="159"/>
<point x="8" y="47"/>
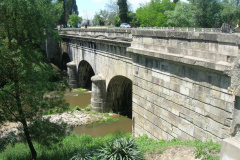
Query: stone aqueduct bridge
<point x="174" y="84"/>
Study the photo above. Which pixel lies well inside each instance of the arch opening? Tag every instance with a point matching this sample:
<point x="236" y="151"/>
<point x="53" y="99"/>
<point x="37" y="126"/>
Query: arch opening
<point x="85" y="72"/>
<point x="119" y="95"/>
<point x="65" y="60"/>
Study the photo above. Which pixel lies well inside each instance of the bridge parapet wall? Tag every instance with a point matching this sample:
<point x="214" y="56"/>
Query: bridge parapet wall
<point x="215" y="51"/>
<point x="98" y="33"/>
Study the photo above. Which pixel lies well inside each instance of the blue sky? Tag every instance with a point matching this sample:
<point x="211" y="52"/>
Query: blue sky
<point x="87" y="8"/>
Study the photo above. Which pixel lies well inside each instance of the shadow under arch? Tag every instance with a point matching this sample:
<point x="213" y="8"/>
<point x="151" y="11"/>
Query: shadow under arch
<point x="119" y="95"/>
<point x="85" y="72"/>
<point x="65" y="60"/>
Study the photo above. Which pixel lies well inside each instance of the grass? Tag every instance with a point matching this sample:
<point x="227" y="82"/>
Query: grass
<point x="204" y="150"/>
<point x="63" y="150"/>
<point x="80" y="90"/>
<point x="61" y="110"/>
<point x="73" y="144"/>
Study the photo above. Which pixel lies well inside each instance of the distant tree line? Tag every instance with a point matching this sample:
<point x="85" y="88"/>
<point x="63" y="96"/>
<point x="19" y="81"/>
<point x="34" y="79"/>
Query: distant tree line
<point x="163" y="13"/>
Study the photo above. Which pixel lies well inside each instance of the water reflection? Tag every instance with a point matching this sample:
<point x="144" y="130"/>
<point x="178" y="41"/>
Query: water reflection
<point x="82" y="100"/>
<point x="124" y="125"/>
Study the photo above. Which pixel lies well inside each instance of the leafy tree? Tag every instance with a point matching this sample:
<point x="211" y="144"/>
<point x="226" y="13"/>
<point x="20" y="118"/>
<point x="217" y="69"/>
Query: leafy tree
<point x="112" y="7"/>
<point x="104" y="14"/>
<point x="74" y="19"/>
<point x="132" y="19"/>
<point x="69" y="7"/>
<point x="98" y="20"/>
<point x="231" y="12"/>
<point x="206" y="13"/>
<point x="111" y="18"/>
<point x="104" y="18"/>
<point x="117" y="21"/>
<point x="153" y="13"/>
<point x="113" y="10"/>
<point x="123" y="10"/>
<point x="24" y="76"/>
<point x="175" y="1"/>
<point x="181" y="16"/>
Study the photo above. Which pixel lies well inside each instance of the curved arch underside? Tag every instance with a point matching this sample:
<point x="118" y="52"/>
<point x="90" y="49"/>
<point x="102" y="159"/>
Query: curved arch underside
<point x="119" y="95"/>
<point x="85" y="72"/>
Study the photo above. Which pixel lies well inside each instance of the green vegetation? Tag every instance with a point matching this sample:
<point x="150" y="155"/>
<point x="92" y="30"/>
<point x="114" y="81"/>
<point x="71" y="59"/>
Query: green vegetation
<point x="153" y="13"/>
<point x="24" y="73"/>
<point x="69" y="7"/>
<point x="64" y="150"/>
<point x="205" y="150"/>
<point x="87" y="109"/>
<point x="122" y="148"/>
<point x="180" y="16"/>
<point x="84" y="146"/>
<point x="61" y="110"/>
<point x="167" y="13"/>
<point x="74" y="19"/>
<point x="80" y="90"/>
<point x="123" y="10"/>
<point x="108" y="119"/>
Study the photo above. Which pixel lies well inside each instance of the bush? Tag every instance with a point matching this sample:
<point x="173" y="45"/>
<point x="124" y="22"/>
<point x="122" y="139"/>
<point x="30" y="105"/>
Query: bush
<point x="83" y="154"/>
<point x="88" y="108"/>
<point x="121" y="148"/>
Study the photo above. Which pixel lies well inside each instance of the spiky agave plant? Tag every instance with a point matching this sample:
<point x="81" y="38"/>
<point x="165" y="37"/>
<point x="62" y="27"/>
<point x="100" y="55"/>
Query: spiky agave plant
<point x="83" y="154"/>
<point x="120" y="149"/>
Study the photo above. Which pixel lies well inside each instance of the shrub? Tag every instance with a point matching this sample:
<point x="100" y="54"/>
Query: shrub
<point x="88" y="108"/>
<point x="83" y="154"/>
<point x="119" y="149"/>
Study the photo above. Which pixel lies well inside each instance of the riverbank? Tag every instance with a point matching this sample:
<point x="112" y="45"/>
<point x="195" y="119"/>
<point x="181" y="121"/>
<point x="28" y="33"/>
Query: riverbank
<point x="71" y="118"/>
<point x="85" y="146"/>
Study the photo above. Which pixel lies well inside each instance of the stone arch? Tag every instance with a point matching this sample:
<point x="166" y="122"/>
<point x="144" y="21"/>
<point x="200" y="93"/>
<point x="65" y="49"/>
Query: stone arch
<point x="119" y="95"/>
<point x="85" y="72"/>
<point x="65" y="60"/>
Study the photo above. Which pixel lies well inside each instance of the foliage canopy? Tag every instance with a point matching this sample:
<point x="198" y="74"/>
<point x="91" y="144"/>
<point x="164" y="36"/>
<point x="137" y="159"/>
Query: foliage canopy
<point x="180" y="16"/>
<point x="24" y="75"/>
<point x="153" y="13"/>
<point x="74" y="19"/>
<point x="69" y="7"/>
<point x="123" y="10"/>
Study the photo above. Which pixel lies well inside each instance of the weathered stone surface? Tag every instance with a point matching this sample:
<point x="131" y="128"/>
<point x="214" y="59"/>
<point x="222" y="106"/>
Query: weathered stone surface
<point x="72" y="75"/>
<point x="230" y="149"/>
<point x="98" y="93"/>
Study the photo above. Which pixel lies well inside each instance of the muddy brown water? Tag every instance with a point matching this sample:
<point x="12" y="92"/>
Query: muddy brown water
<point x="124" y="124"/>
<point x="78" y="99"/>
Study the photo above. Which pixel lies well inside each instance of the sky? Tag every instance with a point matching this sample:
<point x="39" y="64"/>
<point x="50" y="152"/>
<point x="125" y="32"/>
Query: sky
<point x="87" y="8"/>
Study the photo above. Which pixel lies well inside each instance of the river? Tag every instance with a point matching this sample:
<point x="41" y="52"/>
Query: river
<point x="124" y="124"/>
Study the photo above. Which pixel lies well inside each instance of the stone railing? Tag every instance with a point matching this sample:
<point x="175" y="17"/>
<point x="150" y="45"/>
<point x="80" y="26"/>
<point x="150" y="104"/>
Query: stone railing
<point x="187" y="29"/>
<point x="104" y="33"/>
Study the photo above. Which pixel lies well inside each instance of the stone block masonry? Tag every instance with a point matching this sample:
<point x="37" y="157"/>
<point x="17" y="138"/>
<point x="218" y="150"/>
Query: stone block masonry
<point x="180" y="88"/>
<point x="184" y="84"/>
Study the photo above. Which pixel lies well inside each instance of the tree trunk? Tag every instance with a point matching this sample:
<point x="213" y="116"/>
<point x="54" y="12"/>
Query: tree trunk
<point x="23" y="120"/>
<point x="29" y="141"/>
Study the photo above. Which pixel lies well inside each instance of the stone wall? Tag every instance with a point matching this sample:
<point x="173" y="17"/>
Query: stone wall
<point x="180" y="89"/>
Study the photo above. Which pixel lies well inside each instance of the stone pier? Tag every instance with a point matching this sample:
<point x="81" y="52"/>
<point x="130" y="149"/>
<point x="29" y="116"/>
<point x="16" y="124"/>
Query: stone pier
<point x="98" y="93"/>
<point x="71" y="72"/>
